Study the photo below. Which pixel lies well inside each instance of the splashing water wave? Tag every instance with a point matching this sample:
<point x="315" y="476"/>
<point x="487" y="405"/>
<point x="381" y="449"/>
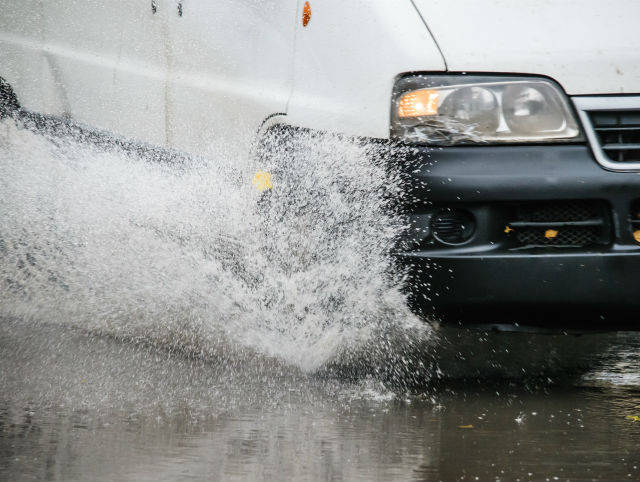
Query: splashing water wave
<point x="191" y="255"/>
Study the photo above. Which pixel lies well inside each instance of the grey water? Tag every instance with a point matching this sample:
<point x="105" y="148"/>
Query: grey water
<point x="78" y="406"/>
<point x="168" y="321"/>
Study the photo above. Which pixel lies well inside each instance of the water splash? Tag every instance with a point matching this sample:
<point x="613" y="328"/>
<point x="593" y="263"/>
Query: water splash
<point x="190" y="255"/>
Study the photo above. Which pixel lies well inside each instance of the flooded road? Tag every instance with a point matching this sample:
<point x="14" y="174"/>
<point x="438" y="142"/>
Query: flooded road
<point x="162" y="321"/>
<point x="74" y="406"/>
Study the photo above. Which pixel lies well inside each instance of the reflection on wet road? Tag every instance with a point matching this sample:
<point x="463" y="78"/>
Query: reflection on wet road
<point x="79" y="407"/>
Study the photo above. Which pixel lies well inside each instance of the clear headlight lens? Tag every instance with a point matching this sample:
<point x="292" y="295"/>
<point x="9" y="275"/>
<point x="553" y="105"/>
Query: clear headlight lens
<point x="449" y="110"/>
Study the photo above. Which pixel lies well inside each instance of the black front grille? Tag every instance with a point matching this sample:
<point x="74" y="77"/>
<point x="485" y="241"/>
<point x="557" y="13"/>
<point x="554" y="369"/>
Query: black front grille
<point x="563" y="224"/>
<point x="618" y="133"/>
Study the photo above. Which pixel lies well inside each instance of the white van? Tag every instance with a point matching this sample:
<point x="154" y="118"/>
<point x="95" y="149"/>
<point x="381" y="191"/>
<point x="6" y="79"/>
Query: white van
<point x="527" y="112"/>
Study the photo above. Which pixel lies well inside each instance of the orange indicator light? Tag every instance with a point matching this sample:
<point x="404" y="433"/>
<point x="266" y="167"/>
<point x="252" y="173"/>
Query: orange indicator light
<point x="418" y="103"/>
<point x="262" y="181"/>
<point x="636" y="235"/>
<point x="306" y="14"/>
<point x="550" y="233"/>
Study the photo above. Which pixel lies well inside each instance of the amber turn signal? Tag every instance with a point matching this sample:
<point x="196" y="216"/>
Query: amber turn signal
<point x="417" y="103"/>
<point x="306" y="14"/>
<point x="262" y="181"/>
<point x="636" y="235"/>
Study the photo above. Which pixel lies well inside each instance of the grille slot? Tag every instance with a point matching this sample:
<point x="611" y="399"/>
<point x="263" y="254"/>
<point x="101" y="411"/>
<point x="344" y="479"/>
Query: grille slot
<point x="572" y="236"/>
<point x="612" y="126"/>
<point x="618" y="133"/>
<point x="560" y="224"/>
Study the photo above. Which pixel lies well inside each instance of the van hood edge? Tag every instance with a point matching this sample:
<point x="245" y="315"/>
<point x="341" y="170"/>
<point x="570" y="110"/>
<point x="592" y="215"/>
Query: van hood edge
<point x="585" y="45"/>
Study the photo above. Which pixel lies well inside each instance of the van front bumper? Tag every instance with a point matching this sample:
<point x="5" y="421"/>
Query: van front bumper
<point x="508" y="270"/>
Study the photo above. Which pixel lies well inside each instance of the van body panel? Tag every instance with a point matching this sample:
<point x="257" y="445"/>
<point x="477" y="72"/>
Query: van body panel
<point x="347" y="60"/>
<point x="100" y="63"/>
<point x="230" y="67"/>
<point x="21" y="58"/>
<point x="588" y="46"/>
<point x="192" y="79"/>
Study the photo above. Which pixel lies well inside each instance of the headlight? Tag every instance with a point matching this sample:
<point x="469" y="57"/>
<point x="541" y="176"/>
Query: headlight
<point x="446" y="110"/>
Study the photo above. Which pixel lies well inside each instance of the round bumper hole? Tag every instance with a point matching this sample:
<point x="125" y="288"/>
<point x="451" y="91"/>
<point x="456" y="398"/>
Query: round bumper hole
<point x="453" y="226"/>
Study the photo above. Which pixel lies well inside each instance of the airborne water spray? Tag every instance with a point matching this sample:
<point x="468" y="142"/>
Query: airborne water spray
<point x="185" y="255"/>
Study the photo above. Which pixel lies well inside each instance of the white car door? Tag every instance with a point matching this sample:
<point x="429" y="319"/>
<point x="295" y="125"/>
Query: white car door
<point x="107" y="64"/>
<point x="230" y="67"/>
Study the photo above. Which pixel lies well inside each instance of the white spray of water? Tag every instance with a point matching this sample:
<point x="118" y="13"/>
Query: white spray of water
<point x="192" y="255"/>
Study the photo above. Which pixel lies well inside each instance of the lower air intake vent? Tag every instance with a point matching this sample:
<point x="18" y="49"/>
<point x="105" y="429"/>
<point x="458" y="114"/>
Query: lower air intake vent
<point x="560" y="224"/>
<point x="634" y="219"/>
<point x="453" y="226"/>
<point x="574" y="236"/>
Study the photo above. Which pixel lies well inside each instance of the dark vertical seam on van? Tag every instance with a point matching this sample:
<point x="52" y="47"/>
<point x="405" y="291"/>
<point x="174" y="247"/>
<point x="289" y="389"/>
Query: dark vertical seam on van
<point x="435" y="40"/>
<point x="120" y="48"/>
<point x="294" y="53"/>
<point x="167" y="38"/>
<point x="58" y="84"/>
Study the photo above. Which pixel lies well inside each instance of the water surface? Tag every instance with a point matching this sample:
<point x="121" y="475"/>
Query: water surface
<point x="74" y="406"/>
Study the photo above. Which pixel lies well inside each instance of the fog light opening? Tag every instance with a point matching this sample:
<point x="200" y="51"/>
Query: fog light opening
<point x="453" y="227"/>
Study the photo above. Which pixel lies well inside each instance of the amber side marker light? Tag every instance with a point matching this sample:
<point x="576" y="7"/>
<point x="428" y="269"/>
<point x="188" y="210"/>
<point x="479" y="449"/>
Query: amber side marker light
<point x="262" y="181"/>
<point x="306" y="14"/>
<point x="417" y="103"/>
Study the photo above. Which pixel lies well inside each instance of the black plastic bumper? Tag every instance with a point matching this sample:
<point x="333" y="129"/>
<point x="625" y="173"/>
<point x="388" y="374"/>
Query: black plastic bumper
<point x="488" y="279"/>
